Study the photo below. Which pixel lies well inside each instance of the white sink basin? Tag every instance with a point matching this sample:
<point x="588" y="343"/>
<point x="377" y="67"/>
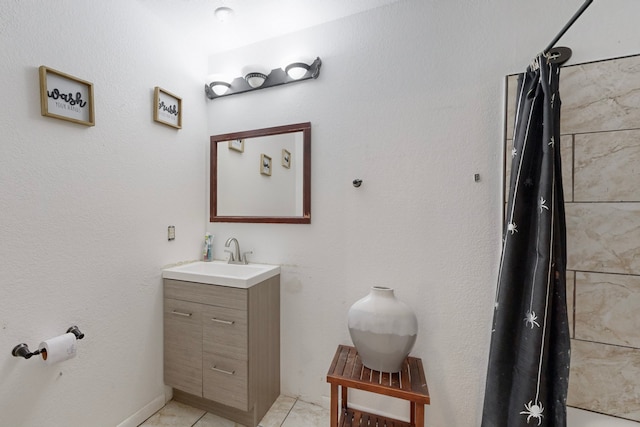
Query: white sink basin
<point x="222" y="273"/>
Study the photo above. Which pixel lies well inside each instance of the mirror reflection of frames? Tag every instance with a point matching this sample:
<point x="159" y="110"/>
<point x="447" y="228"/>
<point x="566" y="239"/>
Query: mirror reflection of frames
<point x="278" y="195"/>
<point x="237" y="145"/>
<point x="265" y="165"/>
<point x="286" y="159"/>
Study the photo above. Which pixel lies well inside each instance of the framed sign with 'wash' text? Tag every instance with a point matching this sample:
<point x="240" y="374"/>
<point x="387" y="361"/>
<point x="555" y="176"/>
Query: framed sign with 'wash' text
<point x="66" y="97"/>
<point x="167" y="108"/>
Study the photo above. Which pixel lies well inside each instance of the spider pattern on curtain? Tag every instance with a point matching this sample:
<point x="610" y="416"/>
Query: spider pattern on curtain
<point x="528" y="370"/>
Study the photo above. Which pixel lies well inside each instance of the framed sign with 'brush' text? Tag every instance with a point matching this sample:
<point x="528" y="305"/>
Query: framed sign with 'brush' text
<point x="167" y="108"/>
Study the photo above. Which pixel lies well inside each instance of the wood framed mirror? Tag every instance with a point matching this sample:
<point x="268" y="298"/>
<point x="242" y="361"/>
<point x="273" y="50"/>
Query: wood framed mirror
<point x="262" y="175"/>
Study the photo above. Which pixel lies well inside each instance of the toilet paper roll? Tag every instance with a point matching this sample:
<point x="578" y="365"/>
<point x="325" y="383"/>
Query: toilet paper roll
<point x="57" y="349"/>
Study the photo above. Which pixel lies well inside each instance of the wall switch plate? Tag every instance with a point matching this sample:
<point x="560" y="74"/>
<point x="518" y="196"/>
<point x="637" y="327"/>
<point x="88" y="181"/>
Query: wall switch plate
<point x="172" y="232"/>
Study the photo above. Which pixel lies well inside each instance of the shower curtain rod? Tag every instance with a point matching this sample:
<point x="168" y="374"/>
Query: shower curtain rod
<point x="568" y="25"/>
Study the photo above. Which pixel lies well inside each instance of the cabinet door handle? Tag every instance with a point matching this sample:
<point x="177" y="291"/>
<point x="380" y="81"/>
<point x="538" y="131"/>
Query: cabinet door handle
<point x="179" y="313"/>
<point x="226" y="322"/>
<point x="222" y="371"/>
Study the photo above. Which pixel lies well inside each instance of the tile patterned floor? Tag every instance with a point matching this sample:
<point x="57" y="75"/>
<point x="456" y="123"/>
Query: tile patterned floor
<point x="285" y="412"/>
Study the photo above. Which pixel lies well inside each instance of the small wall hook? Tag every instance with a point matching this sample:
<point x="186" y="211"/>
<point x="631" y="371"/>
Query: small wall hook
<point x="357" y="182"/>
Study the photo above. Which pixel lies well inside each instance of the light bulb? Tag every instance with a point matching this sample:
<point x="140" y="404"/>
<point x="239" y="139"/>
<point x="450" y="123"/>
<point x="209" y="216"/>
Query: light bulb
<point x="220" y="88"/>
<point x="296" y="70"/>
<point x="255" y="79"/>
<point x="223" y="14"/>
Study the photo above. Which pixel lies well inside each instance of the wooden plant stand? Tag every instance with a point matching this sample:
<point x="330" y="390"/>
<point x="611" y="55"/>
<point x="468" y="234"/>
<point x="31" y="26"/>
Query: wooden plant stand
<point x="347" y="371"/>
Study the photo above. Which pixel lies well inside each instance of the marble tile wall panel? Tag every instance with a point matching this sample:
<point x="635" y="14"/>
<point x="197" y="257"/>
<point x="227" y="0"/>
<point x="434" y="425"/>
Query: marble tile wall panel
<point x="607" y="307"/>
<point x="604" y="378"/>
<point x="600" y="96"/>
<point x="607" y="166"/>
<point x="603" y="237"/>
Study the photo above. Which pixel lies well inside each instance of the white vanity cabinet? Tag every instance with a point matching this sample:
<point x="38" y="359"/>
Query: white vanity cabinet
<point x="222" y="347"/>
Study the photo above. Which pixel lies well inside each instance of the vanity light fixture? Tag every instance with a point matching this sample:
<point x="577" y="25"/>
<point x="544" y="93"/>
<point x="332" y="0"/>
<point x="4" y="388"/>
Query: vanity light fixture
<point x="254" y="80"/>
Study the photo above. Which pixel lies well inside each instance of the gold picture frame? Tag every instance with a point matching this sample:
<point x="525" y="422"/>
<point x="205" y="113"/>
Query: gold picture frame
<point x="237" y="145"/>
<point x="167" y="108"/>
<point x="286" y="159"/>
<point x="66" y="97"/>
<point x="265" y="165"/>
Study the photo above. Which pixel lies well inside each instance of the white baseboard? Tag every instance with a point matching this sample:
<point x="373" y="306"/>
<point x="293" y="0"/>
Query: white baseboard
<point x="145" y="412"/>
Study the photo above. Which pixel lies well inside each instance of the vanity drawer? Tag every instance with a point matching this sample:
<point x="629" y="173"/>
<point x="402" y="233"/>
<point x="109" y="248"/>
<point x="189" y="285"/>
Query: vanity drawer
<point x="225" y="381"/>
<point x="206" y="294"/>
<point x="225" y="332"/>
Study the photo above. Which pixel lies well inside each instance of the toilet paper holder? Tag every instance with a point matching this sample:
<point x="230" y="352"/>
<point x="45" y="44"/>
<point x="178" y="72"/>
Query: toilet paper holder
<point x="22" y="350"/>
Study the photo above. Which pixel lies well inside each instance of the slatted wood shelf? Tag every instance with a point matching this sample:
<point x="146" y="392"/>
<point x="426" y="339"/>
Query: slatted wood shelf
<point x="354" y="418"/>
<point x="347" y="371"/>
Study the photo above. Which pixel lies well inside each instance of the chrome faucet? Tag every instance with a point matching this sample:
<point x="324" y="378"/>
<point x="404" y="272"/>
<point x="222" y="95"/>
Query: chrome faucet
<point x="234" y="256"/>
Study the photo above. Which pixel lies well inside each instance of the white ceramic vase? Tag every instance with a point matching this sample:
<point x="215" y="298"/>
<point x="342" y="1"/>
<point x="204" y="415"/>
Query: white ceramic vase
<point x="383" y="329"/>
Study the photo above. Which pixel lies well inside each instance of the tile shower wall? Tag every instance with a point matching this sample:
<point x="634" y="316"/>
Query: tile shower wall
<point x="601" y="175"/>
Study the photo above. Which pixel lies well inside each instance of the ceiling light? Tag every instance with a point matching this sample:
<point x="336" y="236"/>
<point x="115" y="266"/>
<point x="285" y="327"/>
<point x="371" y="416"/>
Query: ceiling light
<point x="296" y="70"/>
<point x="223" y="13"/>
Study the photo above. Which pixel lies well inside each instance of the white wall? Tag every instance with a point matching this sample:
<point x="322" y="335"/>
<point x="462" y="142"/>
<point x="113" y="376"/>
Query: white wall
<point x="84" y="210"/>
<point x="410" y="100"/>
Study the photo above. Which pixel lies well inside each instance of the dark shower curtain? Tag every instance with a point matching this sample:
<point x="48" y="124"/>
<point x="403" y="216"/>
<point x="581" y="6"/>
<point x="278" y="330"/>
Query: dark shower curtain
<point x="528" y="373"/>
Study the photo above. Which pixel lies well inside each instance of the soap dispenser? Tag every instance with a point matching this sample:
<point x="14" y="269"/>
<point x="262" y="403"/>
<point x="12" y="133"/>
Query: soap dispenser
<point x="207" y="249"/>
